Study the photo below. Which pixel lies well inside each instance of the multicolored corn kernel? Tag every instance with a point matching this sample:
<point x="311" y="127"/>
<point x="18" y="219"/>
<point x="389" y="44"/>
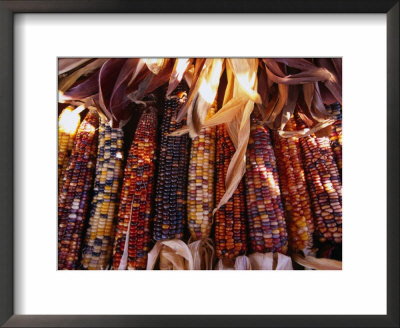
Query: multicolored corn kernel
<point x="324" y="185"/>
<point x="134" y="213"/>
<point x="298" y="212"/>
<point x="336" y="135"/>
<point x="74" y="196"/>
<point x="68" y="123"/>
<point x="230" y="220"/>
<point x="171" y="188"/>
<point x="200" y="201"/>
<point x="98" y="242"/>
<point x="266" y="221"/>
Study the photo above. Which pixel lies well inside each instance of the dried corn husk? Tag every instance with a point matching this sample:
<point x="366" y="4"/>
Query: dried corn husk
<point x="180" y="67"/>
<point x="172" y="255"/>
<point x="311" y="262"/>
<point x="67" y="82"/>
<point x="240" y="263"/>
<point x="203" y="254"/>
<point x="270" y="261"/>
<point x="66" y="65"/>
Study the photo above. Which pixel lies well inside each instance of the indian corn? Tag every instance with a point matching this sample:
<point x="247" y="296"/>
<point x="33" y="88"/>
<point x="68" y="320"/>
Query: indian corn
<point x="324" y="185"/>
<point x="133" y="228"/>
<point x="298" y="212"/>
<point x="74" y="196"/>
<point x="171" y="188"/>
<point x="266" y="221"/>
<point x="200" y="202"/>
<point x="68" y="123"/>
<point x="336" y="135"/>
<point x="230" y="220"/>
<point x="98" y="240"/>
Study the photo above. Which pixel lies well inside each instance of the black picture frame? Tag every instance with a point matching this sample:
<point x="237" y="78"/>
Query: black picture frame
<point x="7" y="197"/>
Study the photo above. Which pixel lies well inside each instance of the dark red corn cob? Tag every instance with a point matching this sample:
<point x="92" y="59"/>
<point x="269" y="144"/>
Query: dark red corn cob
<point x="136" y="195"/>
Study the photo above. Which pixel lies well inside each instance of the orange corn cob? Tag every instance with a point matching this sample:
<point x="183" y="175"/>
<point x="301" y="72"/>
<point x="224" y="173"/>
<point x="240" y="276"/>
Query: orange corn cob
<point x="324" y="184"/>
<point x="295" y="194"/>
<point x="230" y="219"/>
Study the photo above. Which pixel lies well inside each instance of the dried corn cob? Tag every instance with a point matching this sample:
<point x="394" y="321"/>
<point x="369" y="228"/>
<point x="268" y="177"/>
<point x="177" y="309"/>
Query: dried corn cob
<point x="68" y="123"/>
<point x="97" y="247"/>
<point x="230" y="219"/>
<point x="171" y="189"/>
<point x="324" y="185"/>
<point x="201" y="183"/>
<point x="336" y="135"/>
<point x="266" y="221"/>
<point x="298" y="212"/>
<point x="136" y="196"/>
<point x="74" y="196"/>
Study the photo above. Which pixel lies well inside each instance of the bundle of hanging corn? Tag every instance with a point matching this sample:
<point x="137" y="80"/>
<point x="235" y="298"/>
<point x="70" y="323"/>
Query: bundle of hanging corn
<point x="273" y="86"/>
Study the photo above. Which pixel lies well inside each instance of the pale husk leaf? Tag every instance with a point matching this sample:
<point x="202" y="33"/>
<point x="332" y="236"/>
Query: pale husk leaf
<point x="242" y="262"/>
<point x="68" y="64"/>
<point x="245" y="71"/>
<point x="155" y="64"/>
<point x="204" y="95"/>
<point x="174" y="254"/>
<point x="180" y="67"/>
<point x="224" y="115"/>
<point x="306" y="131"/>
<point x="69" y="80"/>
<point x="311" y="262"/>
<point x="203" y="254"/>
<point x="270" y="261"/>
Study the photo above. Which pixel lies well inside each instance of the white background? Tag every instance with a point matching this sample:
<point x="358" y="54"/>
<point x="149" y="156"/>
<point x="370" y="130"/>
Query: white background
<point x="359" y="289"/>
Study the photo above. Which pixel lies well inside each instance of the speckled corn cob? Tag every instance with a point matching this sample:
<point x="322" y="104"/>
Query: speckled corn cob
<point x="136" y="196"/>
<point x="324" y="185"/>
<point x="201" y="183"/>
<point x="336" y="135"/>
<point x="266" y="221"/>
<point x="298" y="212"/>
<point x="74" y="197"/>
<point x="171" y="188"/>
<point x="68" y="123"/>
<point x="230" y="219"/>
<point x="98" y="240"/>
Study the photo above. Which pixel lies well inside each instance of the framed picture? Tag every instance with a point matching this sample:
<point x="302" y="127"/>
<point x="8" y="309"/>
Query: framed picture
<point x="38" y="38"/>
